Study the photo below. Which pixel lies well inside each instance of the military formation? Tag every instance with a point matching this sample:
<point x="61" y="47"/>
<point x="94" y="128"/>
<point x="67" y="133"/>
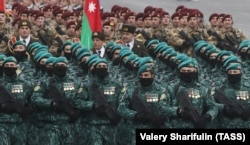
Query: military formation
<point x="150" y="69"/>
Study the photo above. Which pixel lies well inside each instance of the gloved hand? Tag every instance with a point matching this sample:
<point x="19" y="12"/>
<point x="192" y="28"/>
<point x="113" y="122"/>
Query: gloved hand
<point x="184" y="113"/>
<point x="2" y="35"/>
<point x="98" y="109"/>
<point x="245" y="115"/>
<point x="203" y="121"/>
<point x="140" y="117"/>
<point x="230" y="111"/>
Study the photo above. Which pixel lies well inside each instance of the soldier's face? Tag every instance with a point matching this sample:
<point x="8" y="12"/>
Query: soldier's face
<point x="234" y="72"/>
<point x="127" y="37"/>
<point x="10" y="64"/>
<point x="213" y="56"/>
<point x="40" y="21"/>
<point x="116" y="54"/>
<point x="71" y="30"/>
<point x="193" y="22"/>
<point x="146" y="75"/>
<point x="60" y="64"/>
<point x="148" y="22"/>
<point x="175" y="21"/>
<point x="227" y="23"/>
<point x="139" y="22"/>
<point x="64" y="3"/>
<point x="98" y="43"/>
<point x="165" y="19"/>
<point x="101" y="65"/>
<point x="19" y="48"/>
<point x="156" y="22"/>
<point x="107" y="30"/>
<point x="131" y="20"/>
<point x="67" y="49"/>
<point x="187" y="70"/>
<point x="183" y="20"/>
<point x="24" y="31"/>
<point x="59" y="18"/>
<point x="2" y="18"/>
<point x="214" y="21"/>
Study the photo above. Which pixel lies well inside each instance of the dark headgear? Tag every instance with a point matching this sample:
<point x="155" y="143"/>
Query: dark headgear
<point x="24" y="23"/>
<point x="99" y="35"/>
<point x="128" y="28"/>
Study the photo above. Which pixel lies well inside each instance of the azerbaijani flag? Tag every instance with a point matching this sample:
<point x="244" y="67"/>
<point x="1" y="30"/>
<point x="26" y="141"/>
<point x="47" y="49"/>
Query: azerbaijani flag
<point x="2" y="5"/>
<point x="91" y="21"/>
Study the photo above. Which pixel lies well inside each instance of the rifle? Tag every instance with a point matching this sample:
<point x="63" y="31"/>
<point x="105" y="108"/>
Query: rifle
<point x="196" y="37"/>
<point x="43" y="39"/>
<point x="235" y="109"/>
<point x="59" y="31"/>
<point x="232" y="41"/>
<point x="226" y="45"/>
<point x="185" y="36"/>
<point x="100" y="100"/>
<point x="12" y="105"/>
<point x="140" y="106"/>
<point x="63" y="105"/>
<point x="184" y="102"/>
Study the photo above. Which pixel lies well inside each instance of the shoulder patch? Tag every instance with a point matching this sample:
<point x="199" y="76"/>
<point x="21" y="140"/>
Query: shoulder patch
<point x="37" y="88"/>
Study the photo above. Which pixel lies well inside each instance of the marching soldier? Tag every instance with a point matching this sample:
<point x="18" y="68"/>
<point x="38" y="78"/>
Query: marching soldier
<point x="55" y="102"/>
<point x="15" y="108"/>
<point x="228" y="38"/>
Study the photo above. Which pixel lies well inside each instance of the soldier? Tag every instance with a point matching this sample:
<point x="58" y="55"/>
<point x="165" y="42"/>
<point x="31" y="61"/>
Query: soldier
<point x="228" y="37"/>
<point x="157" y="26"/>
<point x="234" y="95"/>
<point x="186" y="38"/>
<point x="144" y="106"/>
<point x="196" y="107"/>
<point x="147" y="21"/>
<point x="55" y="100"/>
<point x="105" y="93"/>
<point x="5" y="31"/>
<point x="109" y="31"/>
<point x="2" y="57"/>
<point x="130" y="18"/>
<point x="59" y="23"/>
<point x="42" y="31"/>
<point x="66" y="51"/>
<point x="213" y="19"/>
<point x="127" y="35"/>
<point x="15" y="108"/>
<point x="139" y="21"/>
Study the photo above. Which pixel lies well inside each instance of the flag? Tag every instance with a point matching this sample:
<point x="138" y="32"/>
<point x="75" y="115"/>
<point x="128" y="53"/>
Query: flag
<point x="2" y="5"/>
<point x="91" y="21"/>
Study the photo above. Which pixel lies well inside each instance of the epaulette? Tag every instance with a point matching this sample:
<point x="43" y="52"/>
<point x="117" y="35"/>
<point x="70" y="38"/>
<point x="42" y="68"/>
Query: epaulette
<point x="80" y="88"/>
